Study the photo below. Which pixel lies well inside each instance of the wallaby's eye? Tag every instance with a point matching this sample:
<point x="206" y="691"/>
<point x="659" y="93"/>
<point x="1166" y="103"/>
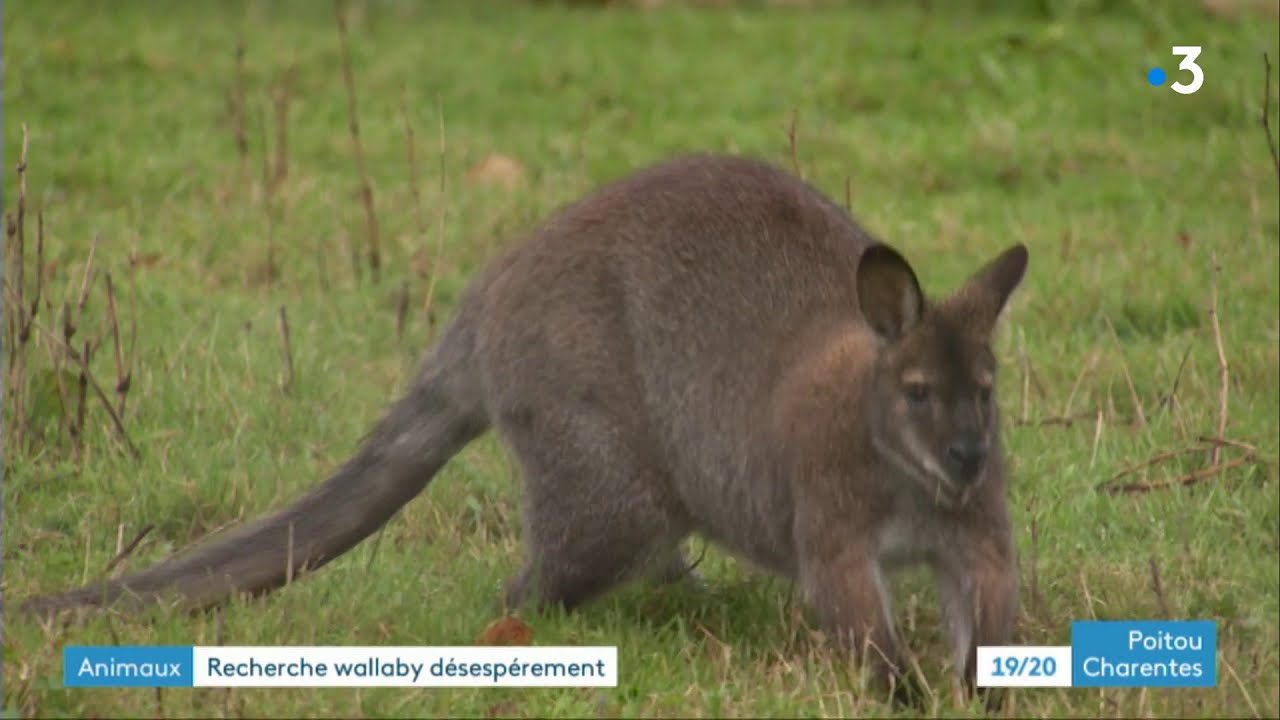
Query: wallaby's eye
<point x="917" y="392"/>
<point x="984" y="393"/>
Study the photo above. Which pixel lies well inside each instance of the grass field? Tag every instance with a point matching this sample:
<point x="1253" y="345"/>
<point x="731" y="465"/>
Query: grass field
<point x="953" y="128"/>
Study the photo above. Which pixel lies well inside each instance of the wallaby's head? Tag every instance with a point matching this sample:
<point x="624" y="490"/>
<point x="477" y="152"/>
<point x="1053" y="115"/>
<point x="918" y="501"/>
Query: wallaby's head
<point x="932" y="407"/>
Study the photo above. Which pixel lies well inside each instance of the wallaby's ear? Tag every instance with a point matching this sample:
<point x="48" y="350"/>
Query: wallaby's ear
<point x="985" y="294"/>
<point x="888" y="292"/>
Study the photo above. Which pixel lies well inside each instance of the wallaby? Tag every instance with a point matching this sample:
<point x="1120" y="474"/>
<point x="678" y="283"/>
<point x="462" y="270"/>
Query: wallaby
<point x="709" y="345"/>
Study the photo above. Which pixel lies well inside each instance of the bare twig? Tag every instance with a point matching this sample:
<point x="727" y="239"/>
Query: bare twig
<point x="22" y="209"/>
<point x="1064" y="420"/>
<point x="1224" y="377"/>
<point x="1154" y="460"/>
<point x="39" y="292"/>
<point x="1266" y="110"/>
<point x="366" y="190"/>
<point x="281" y="97"/>
<point x="87" y="379"/>
<point x="1088" y="596"/>
<point x="133" y="314"/>
<point x="268" y="204"/>
<point x="63" y="403"/>
<point x="1171" y="398"/>
<point x="86" y="282"/>
<point x="1226" y="442"/>
<point x="123" y="374"/>
<point x="127" y="550"/>
<point x="1250" y="453"/>
<point x="287" y="347"/>
<point x="1139" y="415"/>
<point x="402" y="309"/>
<point x="442" y="210"/>
<point x="1188" y="479"/>
<point x="13" y="295"/>
<point x="1158" y="588"/>
<point x="848" y="194"/>
<point x="1025" y="416"/>
<point x="16" y="230"/>
<point x="1075" y="386"/>
<point x="82" y="401"/>
<point x="791" y="143"/>
<point x="411" y="157"/>
<point x="1226" y="665"/>
<point x="1036" y="607"/>
<point x="237" y="110"/>
<point x="1097" y="438"/>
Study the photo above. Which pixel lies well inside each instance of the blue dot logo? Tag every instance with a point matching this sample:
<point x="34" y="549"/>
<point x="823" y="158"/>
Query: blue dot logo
<point x="1156" y="77"/>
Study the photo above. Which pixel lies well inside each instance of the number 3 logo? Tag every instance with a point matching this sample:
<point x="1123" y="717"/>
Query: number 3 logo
<point x="1189" y="54"/>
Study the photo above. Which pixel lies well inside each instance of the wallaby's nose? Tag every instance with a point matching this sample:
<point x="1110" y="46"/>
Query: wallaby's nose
<point x="966" y="456"/>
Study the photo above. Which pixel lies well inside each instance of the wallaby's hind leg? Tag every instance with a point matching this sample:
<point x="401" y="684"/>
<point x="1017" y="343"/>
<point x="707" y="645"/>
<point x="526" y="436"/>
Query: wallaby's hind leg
<point x="596" y="512"/>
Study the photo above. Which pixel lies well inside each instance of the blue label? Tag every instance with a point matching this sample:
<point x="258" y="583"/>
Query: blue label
<point x="1144" y="653"/>
<point x="128" y="666"/>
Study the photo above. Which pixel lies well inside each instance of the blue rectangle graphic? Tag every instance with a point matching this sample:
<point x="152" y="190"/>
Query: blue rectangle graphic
<point x="128" y="666"/>
<point x="1144" y="653"/>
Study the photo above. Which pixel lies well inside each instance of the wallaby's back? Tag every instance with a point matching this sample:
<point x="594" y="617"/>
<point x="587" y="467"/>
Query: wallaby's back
<point x="673" y="299"/>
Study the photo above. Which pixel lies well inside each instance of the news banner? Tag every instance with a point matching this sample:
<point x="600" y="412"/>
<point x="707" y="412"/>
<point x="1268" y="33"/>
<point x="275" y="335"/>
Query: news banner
<point x="1115" y="653"/>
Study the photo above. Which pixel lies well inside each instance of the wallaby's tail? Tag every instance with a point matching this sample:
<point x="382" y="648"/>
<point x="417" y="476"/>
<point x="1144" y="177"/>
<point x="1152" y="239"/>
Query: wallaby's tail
<point x="439" y="414"/>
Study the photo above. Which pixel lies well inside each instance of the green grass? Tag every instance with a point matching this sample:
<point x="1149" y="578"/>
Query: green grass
<point x="960" y="130"/>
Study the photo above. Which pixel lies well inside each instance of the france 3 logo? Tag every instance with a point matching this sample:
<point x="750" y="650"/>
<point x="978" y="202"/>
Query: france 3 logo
<point x="1188" y="53"/>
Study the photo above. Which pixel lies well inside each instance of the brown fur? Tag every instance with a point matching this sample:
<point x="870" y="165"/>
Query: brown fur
<point x="709" y="345"/>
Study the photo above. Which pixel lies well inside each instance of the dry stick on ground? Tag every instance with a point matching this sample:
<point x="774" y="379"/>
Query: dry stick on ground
<point x="1025" y="415"/>
<point x="1036" y="607"/>
<point x="1097" y="438"/>
<point x="1139" y="415"/>
<point x="82" y="359"/>
<point x="402" y="309"/>
<point x="66" y="421"/>
<point x="85" y="284"/>
<point x="124" y="360"/>
<point x="82" y="401"/>
<point x="791" y="143"/>
<point x="1089" y="364"/>
<point x="1224" y="376"/>
<point x="1190" y="478"/>
<point x="353" y="123"/>
<point x="38" y="295"/>
<point x="1226" y="442"/>
<point x="127" y="550"/>
<point x="1063" y="420"/>
<point x="281" y="98"/>
<point x="411" y="158"/>
<point x="268" y="202"/>
<point x="24" y="333"/>
<point x="1158" y="588"/>
<point x="64" y="405"/>
<point x="237" y="111"/>
<point x="1250" y="454"/>
<point x="1153" y="460"/>
<point x="1171" y="397"/>
<point x="442" y="209"/>
<point x="11" y="293"/>
<point x="287" y="349"/>
<point x="124" y="374"/>
<point x="1266" y="110"/>
<point x="18" y="353"/>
